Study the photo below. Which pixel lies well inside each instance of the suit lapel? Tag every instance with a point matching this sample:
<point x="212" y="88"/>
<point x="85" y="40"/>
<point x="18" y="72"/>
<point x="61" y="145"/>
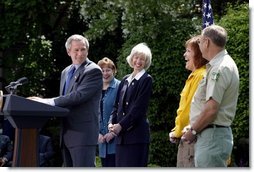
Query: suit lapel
<point x="63" y="79"/>
<point x="76" y="75"/>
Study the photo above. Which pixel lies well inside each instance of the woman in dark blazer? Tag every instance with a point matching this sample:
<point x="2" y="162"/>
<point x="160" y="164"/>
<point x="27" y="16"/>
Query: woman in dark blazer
<point x="129" y="116"/>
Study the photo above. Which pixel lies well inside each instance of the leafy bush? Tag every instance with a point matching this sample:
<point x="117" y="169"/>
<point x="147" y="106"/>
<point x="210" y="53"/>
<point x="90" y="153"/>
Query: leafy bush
<point x="113" y="28"/>
<point x="162" y="152"/>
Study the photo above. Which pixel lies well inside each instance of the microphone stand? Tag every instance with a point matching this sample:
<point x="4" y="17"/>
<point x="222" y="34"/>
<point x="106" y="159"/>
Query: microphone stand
<point x="12" y="88"/>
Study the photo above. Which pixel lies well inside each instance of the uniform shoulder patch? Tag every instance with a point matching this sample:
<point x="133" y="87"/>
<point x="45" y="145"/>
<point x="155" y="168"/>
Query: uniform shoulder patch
<point x="215" y="76"/>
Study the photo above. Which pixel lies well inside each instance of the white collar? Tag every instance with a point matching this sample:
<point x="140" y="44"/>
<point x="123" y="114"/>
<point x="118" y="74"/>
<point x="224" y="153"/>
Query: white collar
<point x="76" y="66"/>
<point x="137" y="77"/>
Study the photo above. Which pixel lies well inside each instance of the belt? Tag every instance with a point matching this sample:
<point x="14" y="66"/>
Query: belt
<point x="215" y="126"/>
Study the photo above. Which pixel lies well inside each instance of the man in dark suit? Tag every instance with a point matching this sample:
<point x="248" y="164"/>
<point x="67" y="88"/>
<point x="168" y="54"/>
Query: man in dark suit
<point x="80" y="92"/>
<point x="6" y="151"/>
<point x="45" y="150"/>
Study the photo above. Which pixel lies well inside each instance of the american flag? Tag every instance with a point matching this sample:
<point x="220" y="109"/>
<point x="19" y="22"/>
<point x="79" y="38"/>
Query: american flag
<point x="207" y="13"/>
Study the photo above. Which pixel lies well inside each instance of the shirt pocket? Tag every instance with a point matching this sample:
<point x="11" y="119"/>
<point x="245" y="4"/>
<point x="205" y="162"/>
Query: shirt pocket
<point x="201" y="90"/>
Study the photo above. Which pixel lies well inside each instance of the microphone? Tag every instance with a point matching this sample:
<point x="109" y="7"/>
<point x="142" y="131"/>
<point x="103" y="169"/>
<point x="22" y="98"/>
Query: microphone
<point x="20" y="81"/>
<point x="12" y="87"/>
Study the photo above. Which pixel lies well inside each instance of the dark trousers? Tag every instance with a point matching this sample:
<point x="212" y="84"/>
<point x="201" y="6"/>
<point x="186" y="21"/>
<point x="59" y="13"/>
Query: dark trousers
<point x="82" y="156"/>
<point x="132" y="155"/>
<point x="109" y="161"/>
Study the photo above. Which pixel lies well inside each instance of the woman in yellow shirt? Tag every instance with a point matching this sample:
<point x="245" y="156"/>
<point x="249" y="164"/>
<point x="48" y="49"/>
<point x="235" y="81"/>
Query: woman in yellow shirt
<point x="196" y="64"/>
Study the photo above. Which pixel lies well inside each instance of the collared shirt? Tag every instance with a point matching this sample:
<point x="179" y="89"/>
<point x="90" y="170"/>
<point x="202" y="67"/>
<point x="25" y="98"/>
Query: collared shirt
<point x="222" y="84"/>
<point x="187" y="93"/>
<point x="51" y="101"/>
<point x="137" y="77"/>
<point x="77" y="66"/>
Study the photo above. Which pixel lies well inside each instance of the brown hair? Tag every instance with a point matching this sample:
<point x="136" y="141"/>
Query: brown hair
<point x="199" y="61"/>
<point x="106" y="62"/>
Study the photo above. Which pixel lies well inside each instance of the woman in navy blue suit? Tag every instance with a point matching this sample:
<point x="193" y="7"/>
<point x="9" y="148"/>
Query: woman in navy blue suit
<point x="129" y="116"/>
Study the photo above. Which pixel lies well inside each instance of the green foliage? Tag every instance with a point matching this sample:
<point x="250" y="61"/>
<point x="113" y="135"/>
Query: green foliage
<point x="26" y="50"/>
<point x="34" y="58"/>
<point x="21" y="20"/>
<point x="32" y="44"/>
<point x="236" y="22"/>
<point x="102" y="17"/>
<point x="104" y="23"/>
<point x="162" y="152"/>
<point x="32" y="41"/>
<point x="98" y="162"/>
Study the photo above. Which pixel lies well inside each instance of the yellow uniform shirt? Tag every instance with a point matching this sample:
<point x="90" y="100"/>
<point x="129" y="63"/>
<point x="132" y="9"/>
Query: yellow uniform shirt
<point x="191" y="84"/>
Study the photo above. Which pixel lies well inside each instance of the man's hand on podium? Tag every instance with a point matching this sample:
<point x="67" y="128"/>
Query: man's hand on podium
<point x="41" y="100"/>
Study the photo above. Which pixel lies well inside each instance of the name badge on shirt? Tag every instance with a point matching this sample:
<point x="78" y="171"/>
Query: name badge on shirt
<point x="215" y="76"/>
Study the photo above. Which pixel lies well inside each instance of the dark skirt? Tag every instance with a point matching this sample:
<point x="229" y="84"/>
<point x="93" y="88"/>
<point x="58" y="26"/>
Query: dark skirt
<point x="132" y="155"/>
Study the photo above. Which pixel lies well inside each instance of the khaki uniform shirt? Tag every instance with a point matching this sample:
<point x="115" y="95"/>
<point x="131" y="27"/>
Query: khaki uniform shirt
<point x="222" y="84"/>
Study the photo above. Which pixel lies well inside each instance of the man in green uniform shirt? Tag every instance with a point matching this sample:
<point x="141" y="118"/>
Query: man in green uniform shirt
<point x="214" y="103"/>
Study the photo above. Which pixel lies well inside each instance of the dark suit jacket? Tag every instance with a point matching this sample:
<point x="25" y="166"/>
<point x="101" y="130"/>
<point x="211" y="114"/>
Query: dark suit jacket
<point x="46" y="151"/>
<point x="81" y="126"/>
<point x="132" y="114"/>
<point x="6" y="147"/>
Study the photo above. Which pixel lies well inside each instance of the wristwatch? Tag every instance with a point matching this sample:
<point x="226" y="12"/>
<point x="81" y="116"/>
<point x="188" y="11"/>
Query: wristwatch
<point x="193" y="131"/>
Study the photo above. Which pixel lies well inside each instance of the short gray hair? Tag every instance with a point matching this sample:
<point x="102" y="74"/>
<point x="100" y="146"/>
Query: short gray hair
<point x="217" y="34"/>
<point x="141" y="48"/>
<point x="76" y="37"/>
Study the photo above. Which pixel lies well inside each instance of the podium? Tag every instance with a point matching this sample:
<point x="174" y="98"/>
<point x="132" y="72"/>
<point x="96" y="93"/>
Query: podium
<point x="27" y="117"/>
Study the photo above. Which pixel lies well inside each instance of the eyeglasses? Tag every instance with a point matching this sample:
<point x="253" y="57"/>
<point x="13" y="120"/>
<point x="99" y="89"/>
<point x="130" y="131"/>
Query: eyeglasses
<point x="199" y="40"/>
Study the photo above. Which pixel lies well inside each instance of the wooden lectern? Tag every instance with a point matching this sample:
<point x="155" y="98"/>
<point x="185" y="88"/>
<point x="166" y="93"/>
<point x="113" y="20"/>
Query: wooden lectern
<point x="27" y="117"/>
